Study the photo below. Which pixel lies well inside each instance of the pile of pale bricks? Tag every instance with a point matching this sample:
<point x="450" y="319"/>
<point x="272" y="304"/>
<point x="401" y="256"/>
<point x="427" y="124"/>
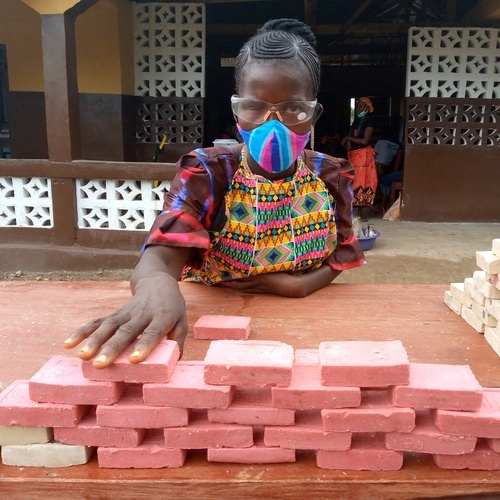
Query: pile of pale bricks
<point x="360" y="405"/>
<point x="477" y="299"/>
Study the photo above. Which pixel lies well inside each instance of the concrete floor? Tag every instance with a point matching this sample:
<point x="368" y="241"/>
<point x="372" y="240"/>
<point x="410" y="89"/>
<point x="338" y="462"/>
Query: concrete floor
<point x="405" y="253"/>
<point x="422" y="252"/>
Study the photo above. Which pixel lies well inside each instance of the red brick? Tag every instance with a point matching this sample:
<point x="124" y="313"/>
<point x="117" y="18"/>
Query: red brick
<point x="306" y="357"/>
<point x="448" y="387"/>
<point x="150" y="454"/>
<point x="482" y="423"/>
<point x="258" y="453"/>
<point x="88" y="433"/>
<point x="482" y="458"/>
<point x="494" y="444"/>
<point x="252" y="406"/>
<point x="156" y="368"/>
<point x="254" y="363"/>
<point x="307" y="392"/>
<point x="361" y="363"/>
<point x="376" y="414"/>
<point x="61" y="380"/>
<point x="307" y="434"/>
<point x="368" y="452"/>
<point x="427" y="438"/>
<point x="130" y="411"/>
<point x="201" y="434"/>
<point x="218" y="327"/>
<point x="187" y="389"/>
<point x="16" y="408"/>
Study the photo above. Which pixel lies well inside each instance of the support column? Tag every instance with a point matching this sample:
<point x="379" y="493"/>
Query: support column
<point x="61" y="87"/>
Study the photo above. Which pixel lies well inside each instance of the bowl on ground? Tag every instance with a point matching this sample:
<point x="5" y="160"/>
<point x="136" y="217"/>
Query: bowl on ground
<point x="367" y="242"/>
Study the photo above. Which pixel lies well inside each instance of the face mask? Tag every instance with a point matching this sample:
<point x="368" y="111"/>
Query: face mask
<point x="273" y="146"/>
<point x="363" y="113"/>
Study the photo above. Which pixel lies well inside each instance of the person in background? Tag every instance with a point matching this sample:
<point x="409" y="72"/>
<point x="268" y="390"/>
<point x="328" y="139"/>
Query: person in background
<point x="362" y="156"/>
<point x="388" y="159"/>
<point x="266" y="216"/>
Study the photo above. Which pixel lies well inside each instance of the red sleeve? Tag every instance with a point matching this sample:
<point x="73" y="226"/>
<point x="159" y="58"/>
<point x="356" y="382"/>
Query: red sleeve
<point x="191" y="204"/>
<point x="338" y="175"/>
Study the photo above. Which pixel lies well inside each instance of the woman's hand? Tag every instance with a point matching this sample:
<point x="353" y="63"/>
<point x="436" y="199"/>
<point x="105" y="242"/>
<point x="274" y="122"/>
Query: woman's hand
<point x="156" y="309"/>
<point x="288" y="285"/>
<point x="282" y="284"/>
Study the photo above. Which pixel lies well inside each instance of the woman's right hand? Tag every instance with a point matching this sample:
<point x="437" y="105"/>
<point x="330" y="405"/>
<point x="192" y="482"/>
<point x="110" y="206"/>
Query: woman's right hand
<point x="157" y="309"/>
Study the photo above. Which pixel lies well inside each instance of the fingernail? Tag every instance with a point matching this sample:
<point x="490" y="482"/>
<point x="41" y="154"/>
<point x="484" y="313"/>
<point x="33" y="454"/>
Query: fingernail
<point x="135" y="354"/>
<point x="85" y="349"/>
<point x="101" y="359"/>
<point x="67" y="341"/>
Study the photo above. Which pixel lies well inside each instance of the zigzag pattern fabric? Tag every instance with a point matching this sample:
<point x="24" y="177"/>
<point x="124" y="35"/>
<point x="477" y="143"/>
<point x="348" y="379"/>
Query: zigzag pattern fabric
<point x="272" y="226"/>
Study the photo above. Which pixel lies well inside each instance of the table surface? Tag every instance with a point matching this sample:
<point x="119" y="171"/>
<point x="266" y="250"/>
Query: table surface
<point x="37" y="316"/>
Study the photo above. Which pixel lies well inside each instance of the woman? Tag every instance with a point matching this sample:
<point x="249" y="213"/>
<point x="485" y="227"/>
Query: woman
<point x="266" y="216"/>
<point x="362" y="155"/>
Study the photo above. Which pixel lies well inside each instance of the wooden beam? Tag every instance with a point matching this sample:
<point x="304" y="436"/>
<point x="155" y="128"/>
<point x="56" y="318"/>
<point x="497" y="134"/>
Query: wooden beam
<point x="355" y="16"/>
<point x="485" y="11"/>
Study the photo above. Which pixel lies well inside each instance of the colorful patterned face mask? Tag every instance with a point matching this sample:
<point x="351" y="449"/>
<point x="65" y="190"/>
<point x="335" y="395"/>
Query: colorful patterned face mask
<point x="273" y="146"/>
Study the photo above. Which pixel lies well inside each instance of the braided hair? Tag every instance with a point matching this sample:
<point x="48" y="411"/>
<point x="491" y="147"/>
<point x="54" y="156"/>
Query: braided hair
<point x="285" y="40"/>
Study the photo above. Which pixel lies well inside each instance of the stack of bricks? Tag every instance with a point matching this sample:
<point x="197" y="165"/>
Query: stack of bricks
<point x="477" y="299"/>
<point x="359" y="405"/>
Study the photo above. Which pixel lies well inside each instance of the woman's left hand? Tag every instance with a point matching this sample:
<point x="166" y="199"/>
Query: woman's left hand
<point x="283" y="284"/>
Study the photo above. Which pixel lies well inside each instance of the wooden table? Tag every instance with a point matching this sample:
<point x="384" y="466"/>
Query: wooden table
<point x="37" y="316"/>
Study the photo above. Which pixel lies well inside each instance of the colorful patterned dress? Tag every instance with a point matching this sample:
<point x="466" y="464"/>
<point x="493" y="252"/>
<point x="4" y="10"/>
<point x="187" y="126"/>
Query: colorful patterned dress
<point x="240" y="224"/>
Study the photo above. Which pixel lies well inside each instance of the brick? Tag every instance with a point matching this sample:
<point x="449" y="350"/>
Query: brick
<point x="306" y="357"/>
<point x="494" y="444"/>
<point x="488" y="261"/>
<point x="258" y="453"/>
<point x="201" y="434"/>
<point x="485" y="422"/>
<point x="452" y="303"/>
<point x="219" y="327"/>
<point x="187" y="389"/>
<point x="427" y="438"/>
<point x="376" y="414"/>
<point x="307" y="434"/>
<point x="254" y="363"/>
<point x="307" y="392"/>
<point x="16" y="408"/>
<point x="482" y="458"/>
<point x="61" y="380"/>
<point x="484" y="316"/>
<point x="252" y="406"/>
<point x="473" y="292"/>
<point x="130" y="411"/>
<point x="150" y="454"/>
<point x="492" y="307"/>
<point x="363" y="363"/>
<point x="19" y="435"/>
<point x="495" y="247"/>
<point x="46" y="455"/>
<point x="368" y="452"/>
<point x="457" y="291"/>
<point x="492" y="336"/>
<point x="472" y="320"/>
<point x="484" y="282"/>
<point x="156" y="368"/>
<point x="448" y="387"/>
<point x="88" y="433"/>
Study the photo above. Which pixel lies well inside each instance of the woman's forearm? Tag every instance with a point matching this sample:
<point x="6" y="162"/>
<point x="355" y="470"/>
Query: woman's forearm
<point x="319" y="278"/>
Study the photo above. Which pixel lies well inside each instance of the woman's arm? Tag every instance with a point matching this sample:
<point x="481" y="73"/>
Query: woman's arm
<point x="288" y="285"/>
<point x="362" y="141"/>
<point x="157" y="308"/>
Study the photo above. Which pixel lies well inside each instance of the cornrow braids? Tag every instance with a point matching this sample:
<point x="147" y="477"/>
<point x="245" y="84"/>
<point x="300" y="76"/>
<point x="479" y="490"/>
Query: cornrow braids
<point x="281" y="39"/>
